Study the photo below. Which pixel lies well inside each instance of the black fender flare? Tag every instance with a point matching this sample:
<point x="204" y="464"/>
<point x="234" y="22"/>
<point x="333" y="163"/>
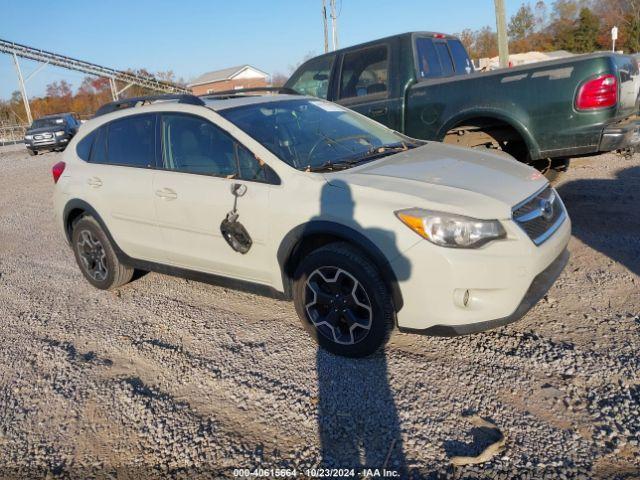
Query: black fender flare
<point x="77" y="204"/>
<point x="292" y="240"/>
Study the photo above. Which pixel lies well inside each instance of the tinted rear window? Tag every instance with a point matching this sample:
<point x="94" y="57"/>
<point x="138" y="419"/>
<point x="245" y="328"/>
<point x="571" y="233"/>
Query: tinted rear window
<point x="445" y="58"/>
<point x="441" y="58"/>
<point x="460" y="58"/>
<point x="428" y="61"/>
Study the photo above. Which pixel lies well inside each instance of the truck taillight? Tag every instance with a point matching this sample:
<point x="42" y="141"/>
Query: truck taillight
<point x="601" y="92"/>
<point x="57" y="170"/>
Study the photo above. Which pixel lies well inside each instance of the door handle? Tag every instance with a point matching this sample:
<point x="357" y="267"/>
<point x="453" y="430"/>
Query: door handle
<point x="166" y="194"/>
<point x="94" y="182"/>
<point x="378" y="111"/>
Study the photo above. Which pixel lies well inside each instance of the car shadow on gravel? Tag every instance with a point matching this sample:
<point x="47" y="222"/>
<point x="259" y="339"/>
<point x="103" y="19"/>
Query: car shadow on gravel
<point x="605" y="215"/>
<point x="358" y="421"/>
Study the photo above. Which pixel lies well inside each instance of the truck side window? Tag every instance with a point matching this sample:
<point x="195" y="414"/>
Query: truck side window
<point x="364" y="72"/>
<point x="313" y="77"/>
<point x="428" y="61"/>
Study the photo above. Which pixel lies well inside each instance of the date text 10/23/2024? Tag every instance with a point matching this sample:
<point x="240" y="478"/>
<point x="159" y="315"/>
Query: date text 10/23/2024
<point x="315" y="473"/>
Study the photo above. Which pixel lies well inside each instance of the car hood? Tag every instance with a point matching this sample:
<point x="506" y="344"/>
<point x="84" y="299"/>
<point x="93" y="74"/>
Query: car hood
<point x="473" y="181"/>
<point x="44" y="130"/>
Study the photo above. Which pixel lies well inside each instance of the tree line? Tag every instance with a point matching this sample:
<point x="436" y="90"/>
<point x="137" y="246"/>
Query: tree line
<point x="578" y="26"/>
<point x="89" y="96"/>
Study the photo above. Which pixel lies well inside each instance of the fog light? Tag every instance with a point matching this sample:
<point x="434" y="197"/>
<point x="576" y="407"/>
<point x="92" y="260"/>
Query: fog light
<point x="461" y="297"/>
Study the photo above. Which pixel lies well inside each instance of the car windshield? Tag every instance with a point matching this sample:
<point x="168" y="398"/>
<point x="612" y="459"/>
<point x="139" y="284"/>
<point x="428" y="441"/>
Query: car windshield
<point x="315" y="135"/>
<point x="48" y="122"/>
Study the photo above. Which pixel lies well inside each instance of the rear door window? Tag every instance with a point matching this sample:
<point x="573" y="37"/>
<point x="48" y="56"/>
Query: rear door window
<point x="365" y="72"/>
<point x="129" y="141"/>
<point x="313" y="77"/>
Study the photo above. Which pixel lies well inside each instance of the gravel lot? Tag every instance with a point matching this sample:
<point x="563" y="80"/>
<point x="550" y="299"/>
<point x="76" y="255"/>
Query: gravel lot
<point x="168" y="377"/>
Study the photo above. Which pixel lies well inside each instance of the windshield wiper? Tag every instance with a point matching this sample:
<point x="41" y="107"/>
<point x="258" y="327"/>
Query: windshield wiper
<point x="371" y="154"/>
<point x="382" y="151"/>
<point x="330" y="166"/>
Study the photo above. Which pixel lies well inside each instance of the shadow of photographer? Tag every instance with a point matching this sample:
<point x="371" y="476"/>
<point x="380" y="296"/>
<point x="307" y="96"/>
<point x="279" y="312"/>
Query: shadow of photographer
<point x="358" y="420"/>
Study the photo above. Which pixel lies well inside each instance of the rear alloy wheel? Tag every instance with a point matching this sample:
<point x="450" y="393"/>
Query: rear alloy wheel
<point x="342" y="300"/>
<point x="96" y="257"/>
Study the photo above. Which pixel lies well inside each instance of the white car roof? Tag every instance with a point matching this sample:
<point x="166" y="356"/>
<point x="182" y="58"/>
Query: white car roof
<point x="218" y="104"/>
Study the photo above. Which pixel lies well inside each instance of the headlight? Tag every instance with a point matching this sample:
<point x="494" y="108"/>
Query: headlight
<point x="449" y="230"/>
<point x="28" y="137"/>
<point x="59" y="134"/>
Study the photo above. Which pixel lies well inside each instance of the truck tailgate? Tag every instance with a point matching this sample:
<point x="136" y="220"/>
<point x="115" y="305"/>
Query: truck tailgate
<point x="629" y="78"/>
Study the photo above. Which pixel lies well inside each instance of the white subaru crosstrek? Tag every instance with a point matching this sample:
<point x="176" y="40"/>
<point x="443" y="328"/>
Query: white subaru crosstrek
<point x="364" y="228"/>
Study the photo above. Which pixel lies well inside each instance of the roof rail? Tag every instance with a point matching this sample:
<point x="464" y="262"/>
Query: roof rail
<point x="242" y="91"/>
<point x="139" y="101"/>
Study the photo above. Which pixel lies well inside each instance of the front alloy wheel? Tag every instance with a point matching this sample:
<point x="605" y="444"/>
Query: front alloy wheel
<point x="337" y="305"/>
<point x="343" y="301"/>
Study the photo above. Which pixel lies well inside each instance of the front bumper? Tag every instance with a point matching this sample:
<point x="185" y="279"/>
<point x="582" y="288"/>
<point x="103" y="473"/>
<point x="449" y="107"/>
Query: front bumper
<point x="504" y="279"/>
<point x="539" y="287"/>
<point x="48" y="144"/>
<point x="621" y="136"/>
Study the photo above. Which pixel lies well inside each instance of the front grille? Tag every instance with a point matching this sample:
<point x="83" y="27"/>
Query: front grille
<point x="540" y="215"/>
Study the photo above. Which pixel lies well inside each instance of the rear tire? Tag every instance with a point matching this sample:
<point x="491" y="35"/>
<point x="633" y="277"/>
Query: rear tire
<point x="96" y="257"/>
<point x="342" y="301"/>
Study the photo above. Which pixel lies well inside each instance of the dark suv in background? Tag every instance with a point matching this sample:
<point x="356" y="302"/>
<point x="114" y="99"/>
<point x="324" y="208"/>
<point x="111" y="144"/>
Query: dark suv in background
<point x="52" y="132"/>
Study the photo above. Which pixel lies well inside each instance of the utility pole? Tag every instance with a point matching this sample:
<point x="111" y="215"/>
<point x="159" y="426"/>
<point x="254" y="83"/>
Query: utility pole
<point x="23" y="90"/>
<point x="334" y="25"/>
<point x="501" y="25"/>
<point x="324" y="21"/>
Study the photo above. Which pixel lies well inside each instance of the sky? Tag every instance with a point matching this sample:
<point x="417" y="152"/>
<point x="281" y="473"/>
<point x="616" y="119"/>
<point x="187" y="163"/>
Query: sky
<point x="192" y="37"/>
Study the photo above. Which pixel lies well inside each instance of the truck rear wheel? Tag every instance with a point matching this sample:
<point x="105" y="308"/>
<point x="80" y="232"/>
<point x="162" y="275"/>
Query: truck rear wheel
<point x="507" y="140"/>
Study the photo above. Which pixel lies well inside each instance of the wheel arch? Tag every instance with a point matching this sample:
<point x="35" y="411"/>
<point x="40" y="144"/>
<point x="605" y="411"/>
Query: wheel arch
<point x="75" y="209"/>
<point x="491" y="117"/>
<point x="310" y="236"/>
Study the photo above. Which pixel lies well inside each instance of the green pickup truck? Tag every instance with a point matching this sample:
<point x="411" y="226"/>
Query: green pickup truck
<point x="424" y="85"/>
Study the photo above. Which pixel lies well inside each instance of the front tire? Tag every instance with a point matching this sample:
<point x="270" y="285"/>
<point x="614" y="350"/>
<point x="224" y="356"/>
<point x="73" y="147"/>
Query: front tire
<point x="32" y="152"/>
<point x="342" y="301"/>
<point x="96" y="257"/>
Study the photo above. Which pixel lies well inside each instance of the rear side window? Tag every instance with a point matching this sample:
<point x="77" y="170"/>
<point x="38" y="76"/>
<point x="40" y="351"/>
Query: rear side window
<point x="83" y="149"/>
<point x="364" y="72"/>
<point x="99" y="150"/>
<point x="313" y="77"/>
